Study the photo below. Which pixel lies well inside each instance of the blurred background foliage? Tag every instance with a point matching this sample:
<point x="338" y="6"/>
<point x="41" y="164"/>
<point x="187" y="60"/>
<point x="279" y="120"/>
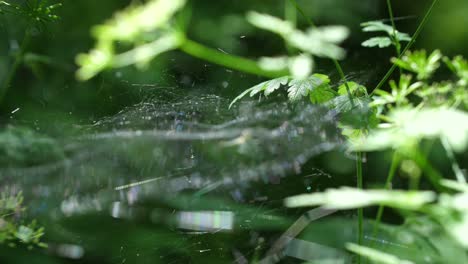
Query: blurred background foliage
<point x="45" y="95"/>
<point x="44" y="86"/>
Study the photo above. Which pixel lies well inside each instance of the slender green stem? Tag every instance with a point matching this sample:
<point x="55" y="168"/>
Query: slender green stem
<point x="388" y="183"/>
<point x="360" y="210"/>
<point x="231" y="61"/>
<point x="16" y="63"/>
<point x="395" y="37"/>
<point x="455" y="167"/>
<point x="432" y="174"/>
<point x="337" y="64"/>
<point x="410" y="44"/>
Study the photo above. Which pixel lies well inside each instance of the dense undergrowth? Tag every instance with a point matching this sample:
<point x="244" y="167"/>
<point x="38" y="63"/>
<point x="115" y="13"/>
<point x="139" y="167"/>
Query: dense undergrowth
<point x="420" y="104"/>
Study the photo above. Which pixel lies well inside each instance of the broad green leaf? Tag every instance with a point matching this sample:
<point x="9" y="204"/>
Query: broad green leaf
<point x="376" y="256"/>
<point x="355" y="89"/>
<point x="300" y="88"/>
<point x="351" y="198"/>
<point x="418" y="62"/>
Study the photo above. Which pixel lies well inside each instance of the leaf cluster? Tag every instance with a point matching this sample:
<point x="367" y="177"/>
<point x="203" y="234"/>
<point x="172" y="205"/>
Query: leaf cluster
<point x="13" y="231"/>
<point x="393" y="36"/>
<point x="132" y="27"/>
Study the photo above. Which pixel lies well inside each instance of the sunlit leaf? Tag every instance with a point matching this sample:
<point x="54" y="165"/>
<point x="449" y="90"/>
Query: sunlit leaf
<point x="381" y="42"/>
<point x="418" y="62"/>
<point x="300" y="88"/>
<point x="267" y="87"/>
<point x="270" y="23"/>
<point x="127" y="26"/>
<point x="411" y="125"/>
<point x="376" y="256"/>
<point x="320" y="42"/>
<point x="350" y="198"/>
<point x="460" y="67"/>
<point x="322" y="94"/>
<point x="384" y="41"/>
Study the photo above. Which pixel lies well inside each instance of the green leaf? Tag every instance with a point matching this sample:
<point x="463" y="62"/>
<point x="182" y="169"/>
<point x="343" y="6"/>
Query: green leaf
<point x="128" y="26"/>
<point x="355" y="89"/>
<point x="270" y="23"/>
<point x="320" y="42"/>
<point x="267" y="87"/>
<point x="376" y="256"/>
<point x="300" y="88"/>
<point x="412" y="125"/>
<point x="376" y="26"/>
<point x="418" y="62"/>
<point x="350" y="198"/>
<point x="381" y="42"/>
<point x="322" y="94"/>
<point x="460" y="67"/>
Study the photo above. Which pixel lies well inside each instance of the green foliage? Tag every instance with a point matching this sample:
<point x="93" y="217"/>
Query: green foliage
<point x="37" y="11"/>
<point x="321" y="42"/>
<point x="24" y="147"/>
<point x="409" y="126"/>
<point x="459" y="66"/>
<point x="297" y="88"/>
<point x="349" y="198"/>
<point x="450" y="210"/>
<point x="14" y="232"/>
<point x="420" y="63"/>
<point x="393" y="37"/>
<point x="376" y="256"/>
<point x="132" y="26"/>
<point x="399" y="92"/>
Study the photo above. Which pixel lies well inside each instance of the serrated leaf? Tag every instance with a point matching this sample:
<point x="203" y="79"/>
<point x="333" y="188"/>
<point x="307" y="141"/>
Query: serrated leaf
<point x="376" y="26"/>
<point x="300" y="88"/>
<point x="355" y="89"/>
<point x="322" y="94"/>
<point x="418" y="62"/>
<point x="267" y="87"/>
<point x="381" y="42"/>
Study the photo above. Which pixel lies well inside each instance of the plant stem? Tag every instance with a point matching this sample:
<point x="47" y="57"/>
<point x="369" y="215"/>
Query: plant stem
<point x="16" y="63"/>
<point x="455" y="167"/>
<point x="410" y="44"/>
<point x="432" y="174"/>
<point x="360" y="210"/>
<point x="395" y="37"/>
<point x="231" y="61"/>
<point x="388" y="183"/>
